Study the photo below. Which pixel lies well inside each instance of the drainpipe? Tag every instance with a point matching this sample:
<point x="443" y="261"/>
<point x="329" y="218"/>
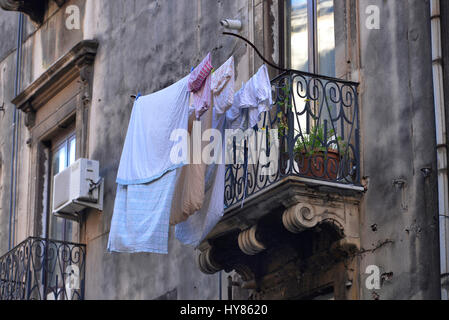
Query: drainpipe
<point x="220" y="286"/>
<point x="13" y="181"/>
<point x="443" y="190"/>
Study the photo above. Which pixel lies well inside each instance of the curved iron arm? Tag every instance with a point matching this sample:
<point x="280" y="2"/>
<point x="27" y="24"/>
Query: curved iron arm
<point x="257" y="51"/>
<point x="287" y="70"/>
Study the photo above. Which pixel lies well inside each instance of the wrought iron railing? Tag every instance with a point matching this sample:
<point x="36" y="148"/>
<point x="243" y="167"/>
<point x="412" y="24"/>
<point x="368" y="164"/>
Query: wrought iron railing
<point x="315" y="121"/>
<point x="41" y="269"/>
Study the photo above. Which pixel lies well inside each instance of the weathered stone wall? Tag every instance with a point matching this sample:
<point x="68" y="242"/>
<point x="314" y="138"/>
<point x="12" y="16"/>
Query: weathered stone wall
<point x="8" y="36"/>
<point x="143" y="46"/>
<point x="399" y="221"/>
<point x="147" y="45"/>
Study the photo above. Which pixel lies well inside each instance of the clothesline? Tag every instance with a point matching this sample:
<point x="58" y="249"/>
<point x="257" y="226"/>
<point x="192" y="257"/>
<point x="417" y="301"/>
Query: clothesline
<point x="133" y="96"/>
<point x="153" y="192"/>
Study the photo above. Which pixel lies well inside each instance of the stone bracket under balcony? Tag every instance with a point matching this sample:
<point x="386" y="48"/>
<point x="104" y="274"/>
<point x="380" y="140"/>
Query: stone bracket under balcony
<point x="35" y="9"/>
<point x="316" y="200"/>
<point x="279" y="228"/>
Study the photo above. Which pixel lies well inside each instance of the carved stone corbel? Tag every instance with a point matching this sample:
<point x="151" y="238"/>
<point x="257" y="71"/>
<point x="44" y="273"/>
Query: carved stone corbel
<point x="206" y="264"/>
<point x="303" y="216"/>
<point x="35" y="9"/>
<point x="30" y="115"/>
<point x="86" y="76"/>
<point x="248" y="242"/>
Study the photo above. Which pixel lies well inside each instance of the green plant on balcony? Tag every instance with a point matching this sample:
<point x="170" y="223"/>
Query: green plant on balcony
<point x="281" y="116"/>
<point x="312" y="153"/>
<point x="314" y="142"/>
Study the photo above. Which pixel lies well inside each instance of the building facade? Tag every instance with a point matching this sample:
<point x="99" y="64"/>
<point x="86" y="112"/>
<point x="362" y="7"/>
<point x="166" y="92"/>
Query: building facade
<point x="371" y="225"/>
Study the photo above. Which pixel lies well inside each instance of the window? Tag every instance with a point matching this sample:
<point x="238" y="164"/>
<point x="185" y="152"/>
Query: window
<point x="310" y="47"/>
<point x="311" y="36"/>
<point x="56" y="107"/>
<point x="63" y="154"/>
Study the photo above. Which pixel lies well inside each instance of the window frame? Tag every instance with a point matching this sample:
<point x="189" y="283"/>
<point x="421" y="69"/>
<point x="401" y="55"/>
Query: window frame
<point x="62" y="140"/>
<point x="312" y="35"/>
<point x="60" y="95"/>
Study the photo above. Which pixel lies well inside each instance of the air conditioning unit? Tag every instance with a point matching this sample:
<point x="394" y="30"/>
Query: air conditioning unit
<point x="76" y="188"/>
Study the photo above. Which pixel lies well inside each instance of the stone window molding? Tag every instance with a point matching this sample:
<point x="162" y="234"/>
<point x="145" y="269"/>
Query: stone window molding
<point x="77" y="62"/>
<point x="57" y="99"/>
<point x="35" y="9"/>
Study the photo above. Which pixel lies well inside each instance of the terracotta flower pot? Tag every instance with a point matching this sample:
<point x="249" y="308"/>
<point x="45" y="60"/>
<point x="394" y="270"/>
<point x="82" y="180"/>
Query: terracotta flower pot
<point x="314" y="165"/>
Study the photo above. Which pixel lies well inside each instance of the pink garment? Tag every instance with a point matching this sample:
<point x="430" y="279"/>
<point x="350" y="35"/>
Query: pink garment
<point x="200" y="85"/>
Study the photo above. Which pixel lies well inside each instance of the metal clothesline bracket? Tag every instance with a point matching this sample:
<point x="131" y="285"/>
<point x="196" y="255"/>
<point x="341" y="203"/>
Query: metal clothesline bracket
<point x="321" y="76"/>
<point x="257" y="51"/>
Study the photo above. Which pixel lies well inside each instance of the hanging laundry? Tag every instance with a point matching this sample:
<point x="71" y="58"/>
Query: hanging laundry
<point x="197" y="227"/>
<point x="140" y="221"/>
<point x="146" y="176"/>
<point x="255" y="96"/>
<point x="223" y="86"/>
<point x="236" y="117"/>
<point x="200" y="86"/>
<point x="146" y="152"/>
<point x="189" y="193"/>
<point x="190" y="189"/>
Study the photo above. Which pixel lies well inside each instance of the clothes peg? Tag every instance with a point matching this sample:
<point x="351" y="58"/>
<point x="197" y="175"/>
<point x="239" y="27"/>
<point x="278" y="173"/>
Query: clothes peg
<point x="191" y="70"/>
<point x="133" y="96"/>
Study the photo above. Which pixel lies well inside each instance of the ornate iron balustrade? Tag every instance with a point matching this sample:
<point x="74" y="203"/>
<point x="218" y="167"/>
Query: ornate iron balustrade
<point x="315" y="119"/>
<point x="41" y="269"/>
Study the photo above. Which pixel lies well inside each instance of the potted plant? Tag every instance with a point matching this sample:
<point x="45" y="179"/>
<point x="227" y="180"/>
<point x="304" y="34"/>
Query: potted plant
<point x="313" y="155"/>
<point x="317" y="158"/>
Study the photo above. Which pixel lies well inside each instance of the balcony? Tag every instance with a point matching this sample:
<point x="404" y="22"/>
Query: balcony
<point x="296" y="194"/>
<point x="316" y="120"/>
<point x="41" y="269"/>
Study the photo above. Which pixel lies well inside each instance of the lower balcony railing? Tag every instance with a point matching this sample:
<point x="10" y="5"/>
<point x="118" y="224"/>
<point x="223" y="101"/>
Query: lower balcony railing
<point x="312" y="131"/>
<point x="42" y="269"/>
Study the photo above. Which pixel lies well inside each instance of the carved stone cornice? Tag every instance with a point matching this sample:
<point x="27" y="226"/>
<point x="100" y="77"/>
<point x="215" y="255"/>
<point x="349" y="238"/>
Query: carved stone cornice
<point x="77" y="63"/>
<point x="35" y="9"/>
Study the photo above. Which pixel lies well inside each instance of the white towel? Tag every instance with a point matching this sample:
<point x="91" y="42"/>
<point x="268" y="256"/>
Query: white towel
<point x="147" y="177"/>
<point x="146" y="153"/>
<point x="254" y="98"/>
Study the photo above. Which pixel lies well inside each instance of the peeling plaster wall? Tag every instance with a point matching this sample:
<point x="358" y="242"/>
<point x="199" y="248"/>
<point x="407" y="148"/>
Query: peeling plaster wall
<point x="398" y="134"/>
